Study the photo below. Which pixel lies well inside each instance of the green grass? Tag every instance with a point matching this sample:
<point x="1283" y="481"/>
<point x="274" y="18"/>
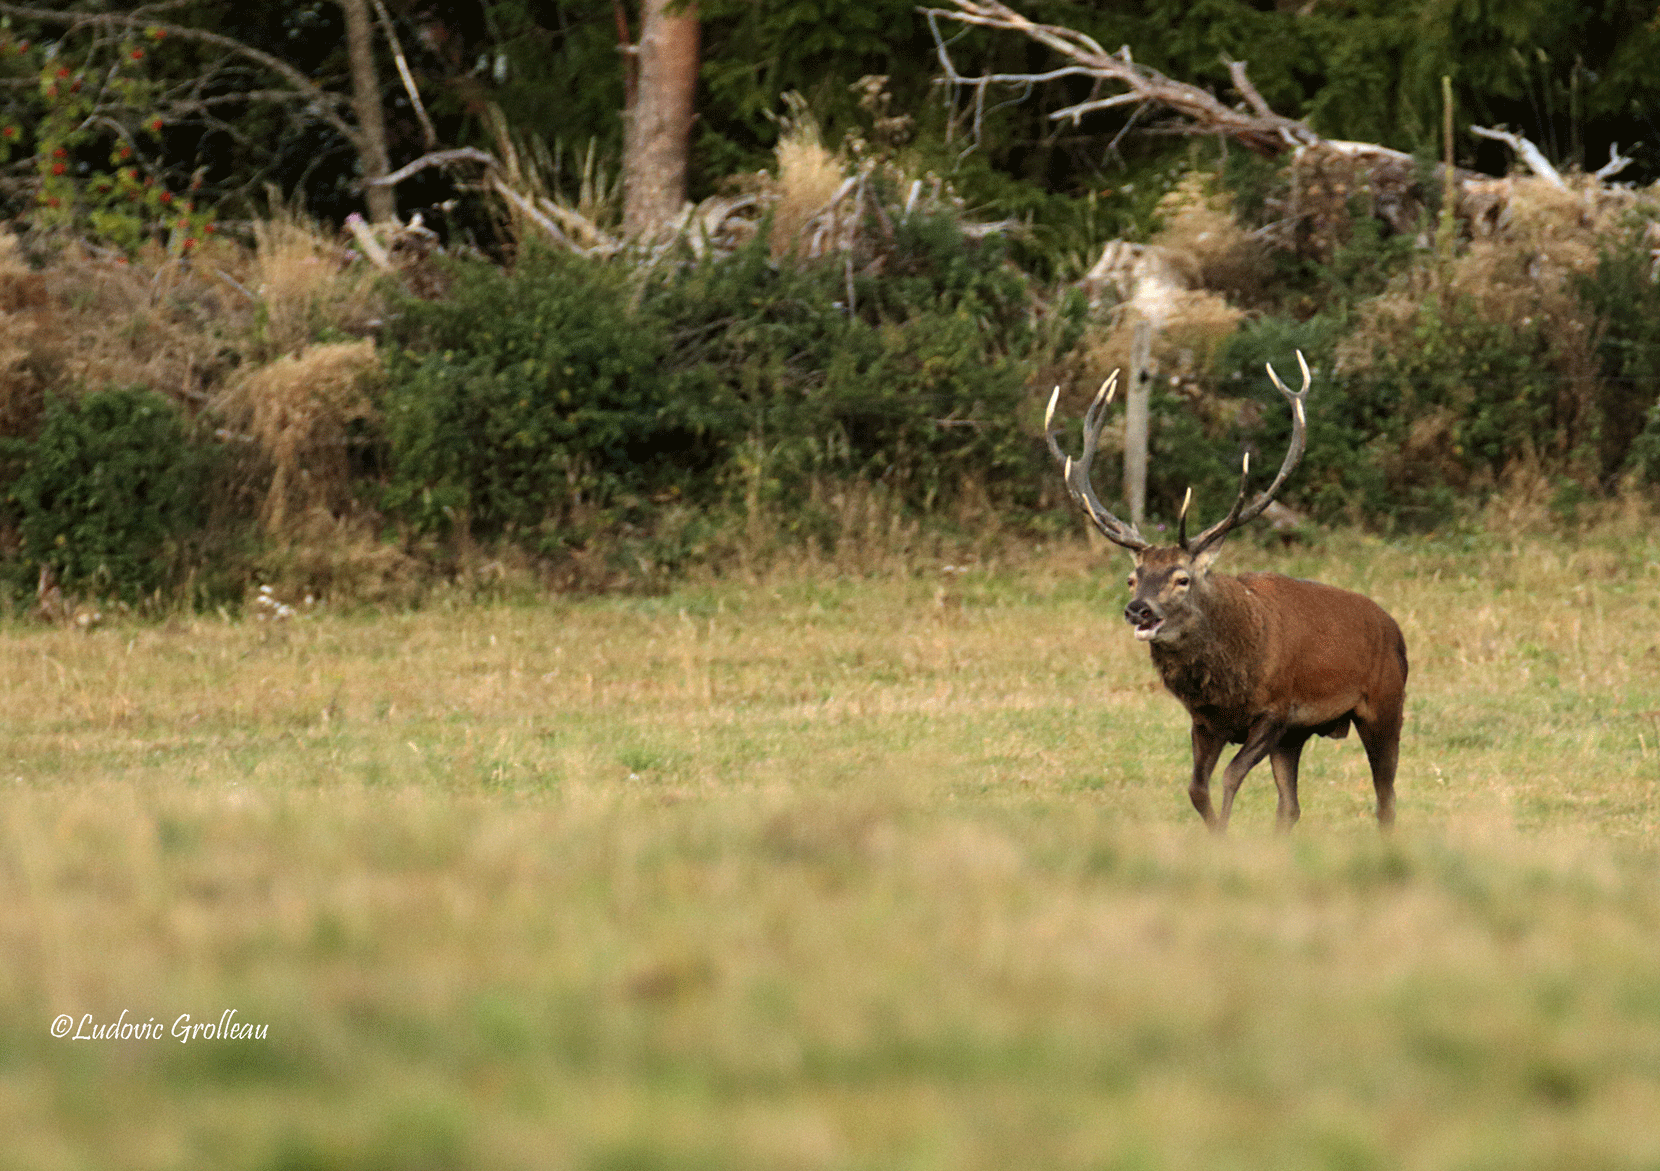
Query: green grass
<point x="815" y="873"/>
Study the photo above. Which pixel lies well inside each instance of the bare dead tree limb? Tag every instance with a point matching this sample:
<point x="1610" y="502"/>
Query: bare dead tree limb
<point x="1120" y="82"/>
<point x="1259" y="129"/>
<point x="543" y="213"/>
<point x="438" y="158"/>
<point x="1526" y="151"/>
<point x="427" y="132"/>
<point x="1616" y="163"/>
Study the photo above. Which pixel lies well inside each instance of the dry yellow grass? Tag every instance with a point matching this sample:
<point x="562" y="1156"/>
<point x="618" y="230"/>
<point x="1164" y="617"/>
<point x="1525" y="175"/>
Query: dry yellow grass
<point x="303" y="283"/>
<point x="808" y="175"/>
<point x="298" y="409"/>
<point x="89" y="322"/>
<point x="823" y="873"/>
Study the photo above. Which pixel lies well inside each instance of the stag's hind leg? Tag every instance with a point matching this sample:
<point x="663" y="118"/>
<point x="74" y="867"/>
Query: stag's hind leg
<point x="1285" y="759"/>
<point x="1382" y="738"/>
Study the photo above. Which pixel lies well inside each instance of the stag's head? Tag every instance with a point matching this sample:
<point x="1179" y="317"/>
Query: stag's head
<point x="1170" y="582"/>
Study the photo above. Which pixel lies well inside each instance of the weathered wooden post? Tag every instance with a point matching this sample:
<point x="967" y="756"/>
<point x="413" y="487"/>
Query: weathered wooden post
<point x="1135" y="421"/>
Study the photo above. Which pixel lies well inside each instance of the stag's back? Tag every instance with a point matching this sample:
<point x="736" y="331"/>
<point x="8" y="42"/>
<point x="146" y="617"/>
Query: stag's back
<point x="1309" y="653"/>
<point x="1325" y="651"/>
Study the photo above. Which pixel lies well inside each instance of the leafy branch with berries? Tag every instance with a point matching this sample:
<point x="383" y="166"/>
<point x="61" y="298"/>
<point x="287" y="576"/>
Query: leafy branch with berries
<point x="123" y="127"/>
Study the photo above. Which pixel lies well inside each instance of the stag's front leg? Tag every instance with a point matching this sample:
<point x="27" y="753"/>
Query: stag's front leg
<point x="1207" y="750"/>
<point x="1264" y="734"/>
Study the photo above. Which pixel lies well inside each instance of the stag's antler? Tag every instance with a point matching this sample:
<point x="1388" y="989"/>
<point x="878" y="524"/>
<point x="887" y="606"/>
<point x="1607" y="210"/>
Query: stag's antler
<point x="1240" y="514"/>
<point x="1077" y="471"/>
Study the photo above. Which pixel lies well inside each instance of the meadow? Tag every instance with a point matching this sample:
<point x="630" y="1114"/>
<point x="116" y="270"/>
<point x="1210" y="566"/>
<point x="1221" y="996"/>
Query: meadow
<point x="821" y="871"/>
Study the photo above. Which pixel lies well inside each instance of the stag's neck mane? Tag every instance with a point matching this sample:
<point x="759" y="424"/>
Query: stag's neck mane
<point x="1212" y="666"/>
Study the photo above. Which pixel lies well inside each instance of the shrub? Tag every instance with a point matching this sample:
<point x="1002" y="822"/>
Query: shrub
<point x="301" y="412"/>
<point x="534" y="404"/>
<point x="550" y="403"/>
<point x="107" y="493"/>
<point x="1442" y="403"/>
<point x="1624" y="298"/>
<point x="914" y="381"/>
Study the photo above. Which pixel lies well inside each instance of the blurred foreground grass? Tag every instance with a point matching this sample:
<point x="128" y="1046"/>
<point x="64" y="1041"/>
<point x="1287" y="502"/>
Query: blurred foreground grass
<point x="831" y="874"/>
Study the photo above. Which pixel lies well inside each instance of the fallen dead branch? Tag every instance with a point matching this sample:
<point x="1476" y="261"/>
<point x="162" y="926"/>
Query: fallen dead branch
<point x="1327" y="173"/>
<point x="1259" y="128"/>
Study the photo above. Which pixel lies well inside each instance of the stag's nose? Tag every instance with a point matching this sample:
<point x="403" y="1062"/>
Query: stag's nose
<point x="1140" y="613"/>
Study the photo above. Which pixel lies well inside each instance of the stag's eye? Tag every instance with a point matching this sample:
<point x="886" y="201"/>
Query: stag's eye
<point x="1181" y="579"/>
<point x="1130" y="581"/>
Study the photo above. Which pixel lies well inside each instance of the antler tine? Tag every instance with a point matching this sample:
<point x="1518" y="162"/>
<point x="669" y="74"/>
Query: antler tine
<point x="1096" y="416"/>
<point x="1076" y="471"/>
<point x="1240" y="514"/>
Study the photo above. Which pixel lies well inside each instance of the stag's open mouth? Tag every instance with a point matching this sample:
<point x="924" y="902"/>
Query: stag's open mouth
<point x="1148" y="630"/>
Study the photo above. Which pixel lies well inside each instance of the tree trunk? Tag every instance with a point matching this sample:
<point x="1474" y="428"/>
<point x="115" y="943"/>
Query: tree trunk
<point x="659" y="126"/>
<point x="371" y="144"/>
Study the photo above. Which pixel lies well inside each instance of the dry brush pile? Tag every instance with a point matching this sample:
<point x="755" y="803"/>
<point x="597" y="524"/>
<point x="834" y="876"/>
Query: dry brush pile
<point x="1510" y="341"/>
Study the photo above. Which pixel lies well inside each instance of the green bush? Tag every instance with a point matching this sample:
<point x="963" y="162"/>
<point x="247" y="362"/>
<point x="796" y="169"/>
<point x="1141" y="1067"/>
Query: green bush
<point x="916" y="385"/>
<point x="550" y="403"/>
<point x="1435" y="415"/>
<point x="1624" y="298"/>
<point x="107" y="494"/>
<point x="535" y="401"/>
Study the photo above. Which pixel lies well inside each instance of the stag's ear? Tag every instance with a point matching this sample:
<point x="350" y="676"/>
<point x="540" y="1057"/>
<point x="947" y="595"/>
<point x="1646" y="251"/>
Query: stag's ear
<point x="1203" y="557"/>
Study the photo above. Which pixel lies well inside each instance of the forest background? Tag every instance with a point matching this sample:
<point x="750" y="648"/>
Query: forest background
<point x="837" y="333"/>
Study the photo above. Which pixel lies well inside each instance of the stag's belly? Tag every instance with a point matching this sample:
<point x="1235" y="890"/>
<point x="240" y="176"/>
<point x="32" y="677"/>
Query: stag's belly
<point x="1233" y="719"/>
<point x="1234" y="725"/>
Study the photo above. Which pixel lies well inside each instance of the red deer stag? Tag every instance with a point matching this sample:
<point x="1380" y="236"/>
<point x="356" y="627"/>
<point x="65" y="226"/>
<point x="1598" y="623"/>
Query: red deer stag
<point x="1258" y="659"/>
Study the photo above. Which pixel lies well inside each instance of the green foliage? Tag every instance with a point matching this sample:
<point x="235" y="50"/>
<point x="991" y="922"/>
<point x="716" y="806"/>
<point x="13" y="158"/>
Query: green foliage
<point x="1625" y="299"/>
<point x="917" y="387"/>
<point x="86" y="111"/>
<point x="1325" y="482"/>
<point x="559" y="77"/>
<point x="1572" y="76"/>
<point x="756" y="52"/>
<point x="1447" y="398"/>
<point x="1363" y="265"/>
<point x="1485" y="382"/>
<point x="107" y="492"/>
<point x="535" y="397"/>
<point x="549" y="402"/>
<point x="1431" y="415"/>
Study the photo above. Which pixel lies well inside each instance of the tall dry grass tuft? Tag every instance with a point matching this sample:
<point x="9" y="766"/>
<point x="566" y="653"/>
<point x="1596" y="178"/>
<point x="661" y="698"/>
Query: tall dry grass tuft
<point x="298" y="410"/>
<point x="305" y="283"/>
<point x="808" y="176"/>
<point x="180" y="327"/>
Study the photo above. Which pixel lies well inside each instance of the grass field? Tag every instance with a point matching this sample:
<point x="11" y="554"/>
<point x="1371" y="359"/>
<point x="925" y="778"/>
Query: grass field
<point x="819" y="873"/>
